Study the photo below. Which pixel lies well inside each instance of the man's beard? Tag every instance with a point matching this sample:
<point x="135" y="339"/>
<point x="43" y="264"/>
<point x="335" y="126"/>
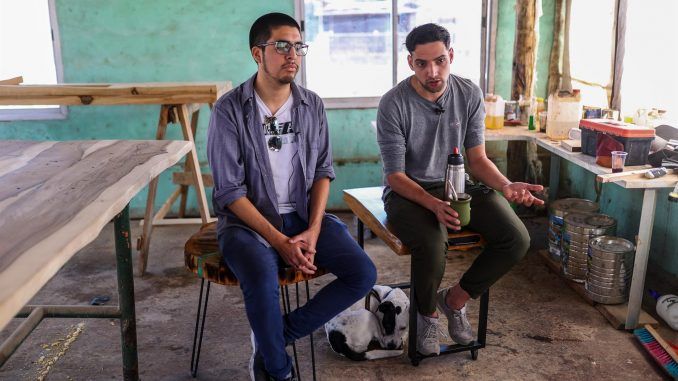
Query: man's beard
<point x="284" y="80"/>
<point x="432" y="89"/>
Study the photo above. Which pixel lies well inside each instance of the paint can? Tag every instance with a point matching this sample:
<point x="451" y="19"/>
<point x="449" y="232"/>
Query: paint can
<point x="610" y="268"/>
<point x="578" y="230"/>
<point x="557" y="211"/>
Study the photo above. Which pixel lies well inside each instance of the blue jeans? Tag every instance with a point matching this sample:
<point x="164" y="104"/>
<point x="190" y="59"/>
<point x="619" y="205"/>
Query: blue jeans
<point x="256" y="267"/>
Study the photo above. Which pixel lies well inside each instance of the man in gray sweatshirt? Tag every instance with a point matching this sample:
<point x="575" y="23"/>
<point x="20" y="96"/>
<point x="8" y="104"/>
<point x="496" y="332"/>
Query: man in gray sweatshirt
<point x="419" y="122"/>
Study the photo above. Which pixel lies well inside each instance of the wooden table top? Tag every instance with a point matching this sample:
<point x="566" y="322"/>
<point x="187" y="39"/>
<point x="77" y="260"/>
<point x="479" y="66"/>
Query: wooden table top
<point x="55" y="197"/>
<point x="113" y="93"/>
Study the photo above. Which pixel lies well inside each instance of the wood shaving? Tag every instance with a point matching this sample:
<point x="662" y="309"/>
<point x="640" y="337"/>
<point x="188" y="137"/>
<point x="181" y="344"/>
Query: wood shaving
<point x="56" y="350"/>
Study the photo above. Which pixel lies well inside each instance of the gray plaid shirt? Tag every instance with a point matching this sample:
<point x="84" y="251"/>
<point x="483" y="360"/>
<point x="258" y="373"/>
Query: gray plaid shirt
<point x="236" y="151"/>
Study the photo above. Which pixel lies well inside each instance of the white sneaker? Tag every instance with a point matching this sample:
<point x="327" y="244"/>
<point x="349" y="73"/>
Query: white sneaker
<point x="457" y="323"/>
<point x="427" y="335"/>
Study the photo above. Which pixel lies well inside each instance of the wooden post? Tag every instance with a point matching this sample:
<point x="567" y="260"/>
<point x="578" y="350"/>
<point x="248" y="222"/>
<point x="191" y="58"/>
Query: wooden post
<point x="144" y="241"/>
<point x="193" y="158"/>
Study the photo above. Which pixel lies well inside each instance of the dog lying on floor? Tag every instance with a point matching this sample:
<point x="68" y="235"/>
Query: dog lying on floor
<point x="373" y="328"/>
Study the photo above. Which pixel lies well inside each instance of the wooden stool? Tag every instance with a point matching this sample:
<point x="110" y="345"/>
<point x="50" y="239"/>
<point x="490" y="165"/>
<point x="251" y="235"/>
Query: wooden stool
<point x="202" y="257"/>
<point x="368" y="207"/>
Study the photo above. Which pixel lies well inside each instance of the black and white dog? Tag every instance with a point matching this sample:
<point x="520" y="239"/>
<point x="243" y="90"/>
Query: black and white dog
<point x="373" y="328"/>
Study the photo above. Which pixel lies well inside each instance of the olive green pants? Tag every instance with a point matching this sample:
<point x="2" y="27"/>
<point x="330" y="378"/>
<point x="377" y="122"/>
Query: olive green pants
<point x="506" y="237"/>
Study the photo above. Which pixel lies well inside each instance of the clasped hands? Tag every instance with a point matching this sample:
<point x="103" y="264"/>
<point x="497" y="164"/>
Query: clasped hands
<point x="299" y="251"/>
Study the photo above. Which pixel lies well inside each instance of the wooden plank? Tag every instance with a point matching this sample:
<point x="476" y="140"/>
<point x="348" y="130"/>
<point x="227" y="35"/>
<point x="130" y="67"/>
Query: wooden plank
<point x="512" y="133"/>
<point x="59" y="200"/>
<point x="186" y="178"/>
<point x="571" y="145"/>
<point x="616" y="315"/>
<point x="370" y="210"/>
<point x="113" y="94"/>
<point x="85" y="100"/>
<point x="177" y="221"/>
<point x="608" y="177"/>
<point x="144" y="242"/>
<point x="195" y="165"/>
<point x="638" y="180"/>
<point x="12" y="81"/>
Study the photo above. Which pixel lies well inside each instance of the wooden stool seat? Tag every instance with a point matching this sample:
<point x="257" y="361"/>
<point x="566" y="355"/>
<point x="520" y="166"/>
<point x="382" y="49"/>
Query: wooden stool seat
<point x="202" y="257"/>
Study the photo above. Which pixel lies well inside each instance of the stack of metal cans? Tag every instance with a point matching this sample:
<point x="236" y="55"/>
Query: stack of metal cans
<point x="578" y="230"/>
<point x="557" y="211"/>
<point x="610" y="267"/>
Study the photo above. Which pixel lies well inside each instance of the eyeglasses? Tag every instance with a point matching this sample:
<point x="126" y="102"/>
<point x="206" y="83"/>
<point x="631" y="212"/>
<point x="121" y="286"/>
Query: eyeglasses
<point x="283" y="47"/>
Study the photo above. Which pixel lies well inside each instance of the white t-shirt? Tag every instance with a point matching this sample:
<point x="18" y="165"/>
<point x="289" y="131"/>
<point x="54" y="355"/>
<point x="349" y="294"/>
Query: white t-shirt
<point x="281" y="143"/>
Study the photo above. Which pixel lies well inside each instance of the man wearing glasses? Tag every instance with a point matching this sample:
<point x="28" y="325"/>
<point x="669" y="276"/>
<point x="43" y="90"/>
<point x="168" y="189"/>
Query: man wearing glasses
<point x="269" y="151"/>
<point x="420" y="122"/>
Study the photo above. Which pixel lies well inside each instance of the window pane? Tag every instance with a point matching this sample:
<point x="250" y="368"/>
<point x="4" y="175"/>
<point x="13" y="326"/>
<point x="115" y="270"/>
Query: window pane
<point x="462" y="18"/>
<point x="591" y="43"/>
<point x="649" y="79"/>
<point x="26" y="43"/>
<point x="349" y="47"/>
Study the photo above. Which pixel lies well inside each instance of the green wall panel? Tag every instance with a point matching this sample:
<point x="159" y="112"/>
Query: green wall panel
<point x="506" y="36"/>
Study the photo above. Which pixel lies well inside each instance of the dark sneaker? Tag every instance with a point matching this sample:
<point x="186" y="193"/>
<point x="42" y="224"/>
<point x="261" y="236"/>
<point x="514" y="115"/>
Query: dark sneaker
<point x="256" y="366"/>
<point x="291" y="377"/>
<point x="457" y="322"/>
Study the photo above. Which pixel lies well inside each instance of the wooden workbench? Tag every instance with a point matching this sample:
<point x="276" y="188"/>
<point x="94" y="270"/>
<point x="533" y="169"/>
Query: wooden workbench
<point x="55" y="197"/>
<point x="179" y="103"/>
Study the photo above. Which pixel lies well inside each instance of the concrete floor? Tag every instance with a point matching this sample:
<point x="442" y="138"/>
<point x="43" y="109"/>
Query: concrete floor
<point x="538" y="328"/>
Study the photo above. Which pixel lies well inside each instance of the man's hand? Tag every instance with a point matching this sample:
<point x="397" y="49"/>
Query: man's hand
<point x="307" y="239"/>
<point x="292" y="254"/>
<point x="446" y="215"/>
<point x="520" y="193"/>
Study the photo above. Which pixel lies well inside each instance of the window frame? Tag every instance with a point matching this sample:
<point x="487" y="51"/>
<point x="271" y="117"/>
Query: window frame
<point x="486" y="41"/>
<point x="61" y="112"/>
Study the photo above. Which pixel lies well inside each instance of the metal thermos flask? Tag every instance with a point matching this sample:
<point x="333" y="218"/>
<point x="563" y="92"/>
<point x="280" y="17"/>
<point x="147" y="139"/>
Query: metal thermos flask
<point x="455" y="175"/>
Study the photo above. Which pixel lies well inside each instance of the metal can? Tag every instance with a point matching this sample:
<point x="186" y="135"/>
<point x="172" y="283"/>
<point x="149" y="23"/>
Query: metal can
<point x="557" y="211"/>
<point x="578" y="229"/>
<point x="610" y="267"/>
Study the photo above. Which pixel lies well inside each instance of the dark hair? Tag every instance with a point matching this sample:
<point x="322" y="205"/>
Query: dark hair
<point x="262" y="27"/>
<point x="423" y="34"/>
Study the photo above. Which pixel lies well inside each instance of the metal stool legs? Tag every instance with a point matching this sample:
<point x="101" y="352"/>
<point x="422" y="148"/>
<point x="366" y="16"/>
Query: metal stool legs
<point x="200" y="326"/>
<point x="195" y="356"/>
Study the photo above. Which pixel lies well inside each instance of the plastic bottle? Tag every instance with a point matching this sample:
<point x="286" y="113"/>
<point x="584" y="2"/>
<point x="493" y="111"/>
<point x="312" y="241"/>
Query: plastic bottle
<point x="531" y="126"/>
<point x="455" y="175"/>
<point x="564" y="113"/>
<point x="541" y="107"/>
<point x="494" y="112"/>
<point x="667" y="308"/>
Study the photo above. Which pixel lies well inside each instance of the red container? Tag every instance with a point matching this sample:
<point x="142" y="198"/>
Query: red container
<point x="636" y="139"/>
